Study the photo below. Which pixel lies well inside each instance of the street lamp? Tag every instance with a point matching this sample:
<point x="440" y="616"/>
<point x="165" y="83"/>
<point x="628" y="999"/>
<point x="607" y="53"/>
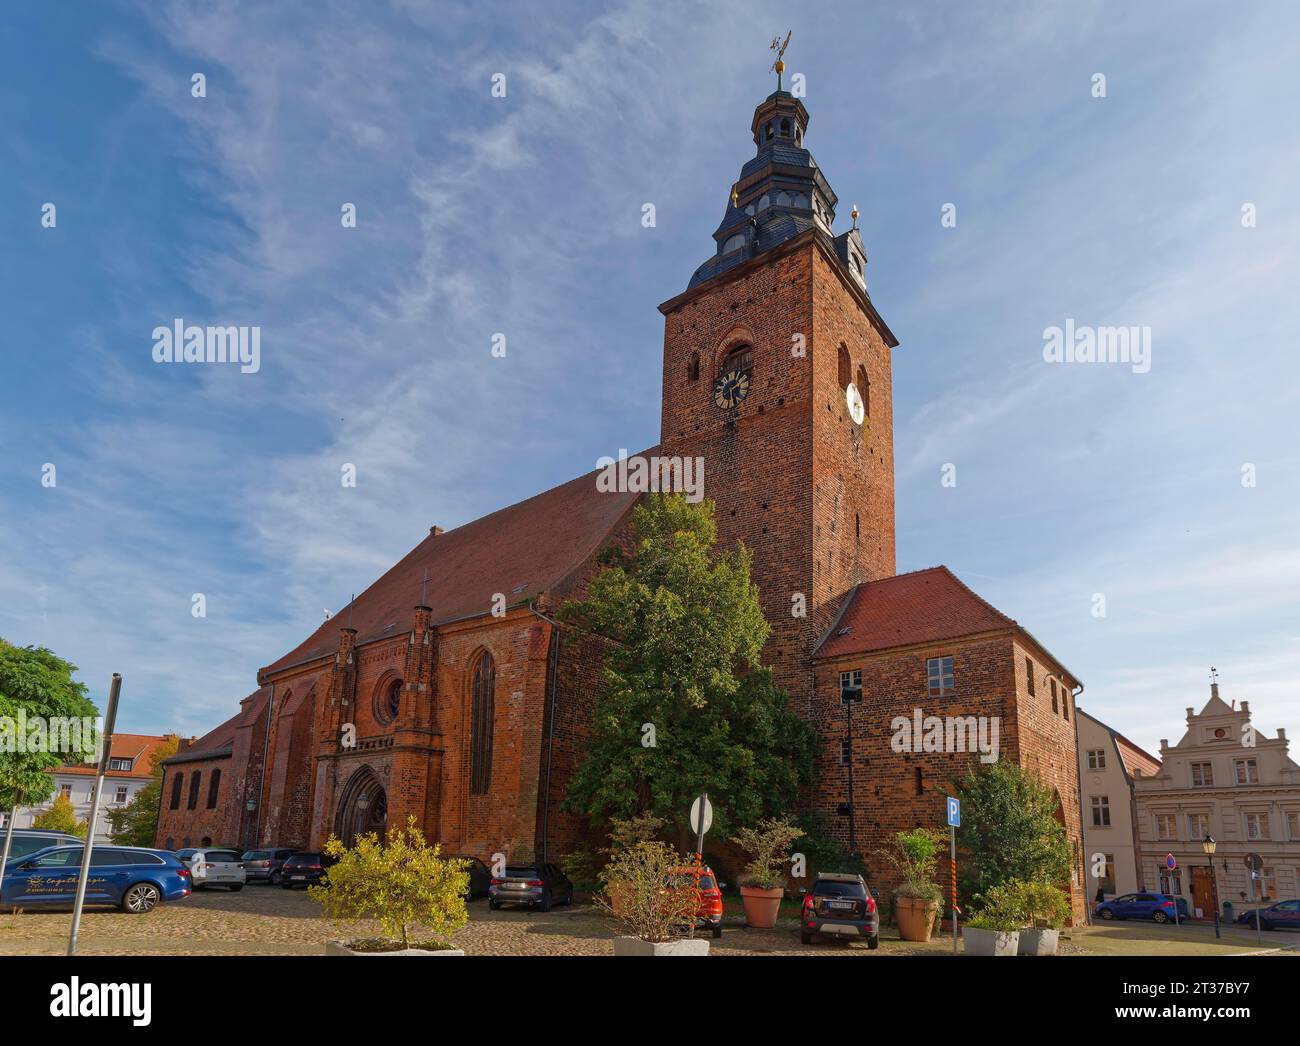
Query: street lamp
<point x="1209" y="845"/>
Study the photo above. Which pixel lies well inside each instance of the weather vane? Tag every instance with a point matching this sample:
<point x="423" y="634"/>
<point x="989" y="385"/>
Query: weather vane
<point x="779" y="65"/>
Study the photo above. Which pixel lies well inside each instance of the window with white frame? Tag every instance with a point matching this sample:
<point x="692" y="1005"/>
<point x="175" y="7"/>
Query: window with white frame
<point x="939" y="675"/>
<point x="1096" y="759"/>
<point x="1101" y="811"/>
<point x="1202" y="775"/>
<point x="1171" y="883"/>
<point x="1198" y="826"/>
<point x="1256" y="825"/>
<point x="119" y="764"/>
<point x="1106" y="882"/>
<point x="1267" y="883"/>
<point x="1293" y="824"/>
<point x="851" y="687"/>
<point x="1166" y="826"/>
<point x="66" y="790"/>
<point x="1247" y="772"/>
<point x="120" y="797"/>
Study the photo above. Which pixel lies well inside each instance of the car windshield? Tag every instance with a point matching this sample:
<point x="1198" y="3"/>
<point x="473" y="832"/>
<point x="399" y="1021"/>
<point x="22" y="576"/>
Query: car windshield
<point x="834" y="889"/>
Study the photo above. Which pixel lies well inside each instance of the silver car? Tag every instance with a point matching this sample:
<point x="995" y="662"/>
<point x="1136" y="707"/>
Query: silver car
<point x="212" y="867"/>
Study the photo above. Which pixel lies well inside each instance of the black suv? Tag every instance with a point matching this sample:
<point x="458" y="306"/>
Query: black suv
<point x="303" y="869"/>
<point x="840" y="905"/>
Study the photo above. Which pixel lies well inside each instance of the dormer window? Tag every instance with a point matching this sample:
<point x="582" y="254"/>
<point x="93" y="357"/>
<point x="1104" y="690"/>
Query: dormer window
<point x="734" y="243"/>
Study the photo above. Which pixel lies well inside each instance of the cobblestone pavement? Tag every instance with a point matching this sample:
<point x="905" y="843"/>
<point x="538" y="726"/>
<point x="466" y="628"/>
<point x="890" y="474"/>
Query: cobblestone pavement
<point x="265" y="920"/>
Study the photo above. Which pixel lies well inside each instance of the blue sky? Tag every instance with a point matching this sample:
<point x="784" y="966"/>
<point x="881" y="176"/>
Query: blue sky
<point x="522" y="215"/>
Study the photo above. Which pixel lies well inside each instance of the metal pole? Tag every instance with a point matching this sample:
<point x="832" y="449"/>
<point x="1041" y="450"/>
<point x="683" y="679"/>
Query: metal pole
<point x="1258" y="942"/>
<point x="106" y="743"/>
<point x="1214" y="897"/>
<point x="853" y="839"/>
<point x="952" y="860"/>
<point x="699" y="837"/>
<point x="9" y="834"/>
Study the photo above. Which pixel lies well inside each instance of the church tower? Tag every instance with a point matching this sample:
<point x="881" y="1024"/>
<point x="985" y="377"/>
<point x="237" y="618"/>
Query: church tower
<point x="777" y="373"/>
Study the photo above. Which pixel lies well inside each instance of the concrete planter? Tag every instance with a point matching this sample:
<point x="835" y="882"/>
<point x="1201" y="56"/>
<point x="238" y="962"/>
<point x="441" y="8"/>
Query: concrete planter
<point x="1035" y="940"/>
<point x="989" y="942"/>
<point x="341" y="948"/>
<point x="681" y="946"/>
<point x="761" y="905"/>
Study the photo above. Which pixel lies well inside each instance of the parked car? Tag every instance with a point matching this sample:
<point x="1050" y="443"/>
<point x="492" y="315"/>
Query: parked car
<point x="265" y="865"/>
<point x="840" y="905"/>
<point x="214" y="867"/>
<point x="304" y="869"/>
<point x="28" y="840"/>
<point x="535" y="885"/>
<point x="480" y="878"/>
<point x="136" y="879"/>
<point x="700" y="878"/>
<point x="1284" y="915"/>
<point x="1157" y="906"/>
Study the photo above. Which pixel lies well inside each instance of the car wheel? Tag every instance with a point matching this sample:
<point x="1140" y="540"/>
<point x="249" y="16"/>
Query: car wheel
<point x="806" y="937"/>
<point x="717" y="931"/>
<point x="1160" y="917"/>
<point x="141" y="898"/>
<point x="546" y="901"/>
<point x="873" y="942"/>
<point x="1106" y="913"/>
<point x="275" y="878"/>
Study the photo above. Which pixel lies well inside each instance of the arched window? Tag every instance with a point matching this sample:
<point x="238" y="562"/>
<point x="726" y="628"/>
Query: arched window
<point x="864" y="389"/>
<point x="170" y="843"/>
<point x="740" y="358"/>
<point x="734" y="243"/>
<point x="193" y="800"/>
<point x="845" y="366"/>
<point x="214" y="788"/>
<point x="482" y="715"/>
<point x="178" y="779"/>
<point x="693" y="367"/>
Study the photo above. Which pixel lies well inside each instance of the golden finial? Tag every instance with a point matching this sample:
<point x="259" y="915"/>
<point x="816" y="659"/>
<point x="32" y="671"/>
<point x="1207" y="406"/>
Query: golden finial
<point x="854" y="214"/>
<point x="779" y="65"/>
<point x="735" y="197"/>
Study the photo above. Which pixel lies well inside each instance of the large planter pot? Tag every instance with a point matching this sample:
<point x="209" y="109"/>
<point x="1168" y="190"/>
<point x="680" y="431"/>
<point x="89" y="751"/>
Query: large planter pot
<point x="761" y="905"/>
<point x="341" y="948"/>
<point x="1035" y="940"/>
<point x="682" y="946"/>
<point x="989" y="942"/>
<point x="915" y="917"/>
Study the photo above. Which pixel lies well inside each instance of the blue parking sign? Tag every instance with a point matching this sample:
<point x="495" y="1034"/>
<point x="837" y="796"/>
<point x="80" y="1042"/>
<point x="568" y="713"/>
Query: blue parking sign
<point x="954" y="812"/>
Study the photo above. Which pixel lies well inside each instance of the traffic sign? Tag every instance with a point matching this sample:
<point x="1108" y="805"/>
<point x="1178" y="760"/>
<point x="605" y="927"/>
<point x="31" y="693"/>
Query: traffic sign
<point x="701" y="815"/>
<point x="1170" y="863"/>
<point x="954" y="812"/>
<point x="1253" y="861"/>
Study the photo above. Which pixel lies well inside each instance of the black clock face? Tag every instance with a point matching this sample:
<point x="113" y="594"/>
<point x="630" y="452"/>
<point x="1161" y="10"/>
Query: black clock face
<point x="731" y="388"/>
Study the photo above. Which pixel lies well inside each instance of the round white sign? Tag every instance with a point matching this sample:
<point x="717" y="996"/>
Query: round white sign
<point x="857" y="411"/>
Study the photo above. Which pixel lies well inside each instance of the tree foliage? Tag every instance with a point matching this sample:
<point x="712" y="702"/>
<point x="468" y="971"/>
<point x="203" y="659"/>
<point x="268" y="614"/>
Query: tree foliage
<point x="684" y="705"/>
<point x="60" y="817"/>
<point x="1009" y="831"/>
<point x="40" y="684"/>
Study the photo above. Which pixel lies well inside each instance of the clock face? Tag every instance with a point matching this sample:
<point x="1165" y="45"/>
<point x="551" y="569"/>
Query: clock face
<point x="731" y="388"/>
<point x="854" y="400"/>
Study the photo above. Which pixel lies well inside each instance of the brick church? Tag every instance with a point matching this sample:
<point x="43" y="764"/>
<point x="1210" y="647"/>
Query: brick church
<point x="448" y="690"/>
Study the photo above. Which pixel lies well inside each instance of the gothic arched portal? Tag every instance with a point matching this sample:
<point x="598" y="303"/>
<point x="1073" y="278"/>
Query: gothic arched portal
<point x="362" y="807"/>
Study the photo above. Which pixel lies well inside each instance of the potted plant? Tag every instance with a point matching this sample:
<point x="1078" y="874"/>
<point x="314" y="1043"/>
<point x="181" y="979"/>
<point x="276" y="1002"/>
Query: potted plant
<point x="762" y="881"/>
<point x="1045" y="909"/>
<point x="918" y="897"/>
<point x="656" y="904"/>
<point x="995" y="928"/>
<point x="402" y="884"/>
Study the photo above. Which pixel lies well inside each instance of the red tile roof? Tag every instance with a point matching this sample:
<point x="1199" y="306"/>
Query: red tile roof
<point x="520" y="551"/>
<point x="217" y="742"/>
<point x="137" y="747"/>
<point x="921" y="607"/>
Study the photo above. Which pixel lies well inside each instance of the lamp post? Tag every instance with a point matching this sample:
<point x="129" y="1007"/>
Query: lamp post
<point x="1208" y="845"/>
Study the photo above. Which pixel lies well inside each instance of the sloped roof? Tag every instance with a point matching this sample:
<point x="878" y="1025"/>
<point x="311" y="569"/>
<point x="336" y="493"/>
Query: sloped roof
<point x="219" y="741"/>
<point x="137" y="747"/>
<point x="921" y="607"/>
<point x="520" y="551"/>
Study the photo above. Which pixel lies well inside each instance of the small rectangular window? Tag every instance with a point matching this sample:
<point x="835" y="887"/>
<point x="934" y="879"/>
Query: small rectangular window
<point x="1247" y="772"/>
<point x="1101" y="811"/>
<point x="851" y="687"/>
<point x="939" y="676"/>
<point x="1096" y="759"/>
<point x="1166" y="826"/>
<point x="1202" y="775"/>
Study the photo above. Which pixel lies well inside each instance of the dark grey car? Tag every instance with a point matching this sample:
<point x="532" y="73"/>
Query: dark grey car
<point x="263" y="866"/>
<point x="534" y="885"/>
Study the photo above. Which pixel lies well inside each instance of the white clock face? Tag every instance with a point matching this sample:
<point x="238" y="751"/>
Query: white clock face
<point x="856" y="410"/>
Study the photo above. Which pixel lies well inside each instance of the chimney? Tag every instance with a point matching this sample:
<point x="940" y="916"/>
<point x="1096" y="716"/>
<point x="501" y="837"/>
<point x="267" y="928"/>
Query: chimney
<point x="1214" y="689"/>
<point x="434" y="531"/>
<point x="1245" y="708"/>
<point x="1190" y="714"/>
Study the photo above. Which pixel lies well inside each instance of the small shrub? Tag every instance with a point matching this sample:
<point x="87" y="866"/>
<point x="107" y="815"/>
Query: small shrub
<point x="915" y="855"/>
<point x="768" y="846"/>
<point x="646" y="893"/>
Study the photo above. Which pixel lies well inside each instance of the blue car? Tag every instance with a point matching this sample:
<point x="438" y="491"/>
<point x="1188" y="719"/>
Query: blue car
<point x="1157" y="906"/>
<point x="1285" y="915"/>
<point x="137" y="880"/>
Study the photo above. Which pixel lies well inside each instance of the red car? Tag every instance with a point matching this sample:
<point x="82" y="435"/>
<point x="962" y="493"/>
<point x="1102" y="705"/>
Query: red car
<point x="709" y="912"/>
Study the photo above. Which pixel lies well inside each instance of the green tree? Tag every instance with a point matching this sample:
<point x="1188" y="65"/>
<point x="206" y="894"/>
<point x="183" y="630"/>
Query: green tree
<point x="37" y="682"/>
<point x="1009" y="831"/>
<point x="136" y="824"/>
<point x="60" y="817"/>
<point x="684" y="631"/>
